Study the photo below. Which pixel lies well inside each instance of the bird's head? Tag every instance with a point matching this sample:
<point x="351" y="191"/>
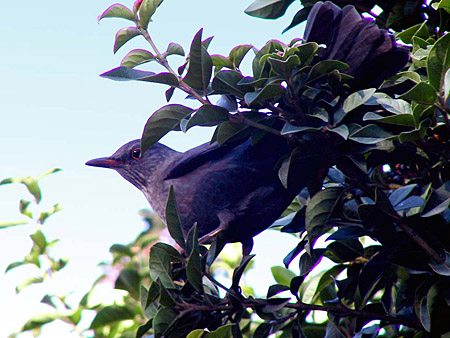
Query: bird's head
<point x="135" y="167"/>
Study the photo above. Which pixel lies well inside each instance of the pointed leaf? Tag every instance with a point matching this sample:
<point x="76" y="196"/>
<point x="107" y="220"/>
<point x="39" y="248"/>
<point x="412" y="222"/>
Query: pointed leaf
<point x="137" y="57"/>
<point x="238" y="53"/>
<point x="422" y="93"/>
<point x="194" y="265"/>
<point x="352" y="102"/>
<point x="173" y="220"/>
<point x="282" y="275"/>
<point x="226" y="82"/>
<point x="318" y="211"/>
<point x="161" y="122"/>
<point x="174" y="49"/>
<point x="325" y="67"/>
<point x="128" y="280"/>
<point x="370" y="134"/>
<point x="160" y="266"/>
<point x="207" y="115"/>
<point x="269" y="91"/>
<point x="200" y="65"/>
<point x="123" y="36"/>
<point x="438" y="61"/>
<point x="268" y="9"/>
<point x="146" y="11"/>
<point x="117" y="11"/>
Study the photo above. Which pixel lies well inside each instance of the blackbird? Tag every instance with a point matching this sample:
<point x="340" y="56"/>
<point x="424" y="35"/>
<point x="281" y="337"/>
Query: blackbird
<point x="234" y="188"/>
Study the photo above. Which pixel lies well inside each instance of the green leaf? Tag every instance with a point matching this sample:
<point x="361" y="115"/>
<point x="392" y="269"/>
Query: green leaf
<point x="284" y="67"/>
<point x="207" y="115"/>
<point x="163" y="318"/>
<point x="400" y="119"/>
<point x="196" y="333"/>
<point x="438" y="61"/>
<point x="220" y="61"/>
<point x="200" y="64"/>
<point x="173" y="220"/>
<point x="174" y="49"/>
<point x="325" y="67"/>
<point x="194" y="265"/>
<point x="271" y="90"/>
<point x="342" y="131"/>
<point x="419" y="30"/>
<point x="111" y="315"/>
<point x="4" y="225"/>
<point x="318" y="211"/>
<point x="221" y="332"/>
<point x="137" y="57"/>
<point x="229" y="131"/>
<point x="14" y="265"/>
<point x="370" y="134"/>
<point x="238" y="53"/>
<point x="128" y="280"/>
<point x="160" y="266"/>
<point x="46" y="214"/>
<point x="282" y="275"/>
<point x="422" y="93"/>
<point x="268" y="9"/>
<point x="352" y="102"/>
<point x="121" y="249"/>
<point x="446" y="88"/>
<point x="40" y="320"/>
<point x="161" y="122"/>
<point x="292" y="129"/>
<point x="306" y="52"/>
<point x="444" y="4"/>
<point x="28" y="282"/>
<point x="146" y="11"/>
<point x="39" y="239"/>
<point x="117" y="11"/>
<point x="276" y="289"/>
<point x="123" y="36"/>
<point x="226" y="82"/>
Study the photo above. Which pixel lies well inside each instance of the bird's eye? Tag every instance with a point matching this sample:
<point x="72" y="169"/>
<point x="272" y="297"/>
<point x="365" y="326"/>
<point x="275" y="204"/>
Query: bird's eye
<point x="136" y="153"/>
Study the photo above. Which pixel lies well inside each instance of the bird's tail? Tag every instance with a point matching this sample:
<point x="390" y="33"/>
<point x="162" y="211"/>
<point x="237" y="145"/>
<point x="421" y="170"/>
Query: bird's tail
<point x="371" y="52"/>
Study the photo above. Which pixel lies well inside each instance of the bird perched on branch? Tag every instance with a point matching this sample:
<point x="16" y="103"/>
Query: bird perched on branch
<point x="234" y="188"/>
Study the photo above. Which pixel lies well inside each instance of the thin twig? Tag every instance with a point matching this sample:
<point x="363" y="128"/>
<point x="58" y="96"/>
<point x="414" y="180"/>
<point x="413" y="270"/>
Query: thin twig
<point x="163" y="62"/>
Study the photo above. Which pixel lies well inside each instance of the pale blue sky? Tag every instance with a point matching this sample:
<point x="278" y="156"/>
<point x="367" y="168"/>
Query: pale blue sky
<point x="57" y="112"/>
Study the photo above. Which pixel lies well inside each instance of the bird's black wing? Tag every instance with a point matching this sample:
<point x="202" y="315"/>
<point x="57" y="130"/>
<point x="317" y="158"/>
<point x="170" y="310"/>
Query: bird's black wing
<point x="196" y="157"/>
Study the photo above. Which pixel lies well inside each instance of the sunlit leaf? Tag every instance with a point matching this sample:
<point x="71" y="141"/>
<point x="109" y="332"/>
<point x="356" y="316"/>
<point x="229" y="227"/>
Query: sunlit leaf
<point x="146" y="11"/>
<point x="123" y="36"/>
<point x="117" y="11"/>
<point x="137" y="57"/>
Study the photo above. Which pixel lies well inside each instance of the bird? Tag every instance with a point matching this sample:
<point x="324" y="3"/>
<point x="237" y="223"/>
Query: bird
<point x="234" y="188"/>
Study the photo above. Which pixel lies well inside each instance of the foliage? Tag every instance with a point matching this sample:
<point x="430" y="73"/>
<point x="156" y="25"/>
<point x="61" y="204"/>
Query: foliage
<point x="378" y="208"/>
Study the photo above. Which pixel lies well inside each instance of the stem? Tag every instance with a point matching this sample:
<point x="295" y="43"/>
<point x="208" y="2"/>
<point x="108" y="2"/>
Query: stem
<point x="163" y="62"/>
<point x="341" y="311"/>
<point x="422" y="243"/>
<point x="238" y="118"/>
<point x="444" y="115"/>
<point x="402" y="225"/>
